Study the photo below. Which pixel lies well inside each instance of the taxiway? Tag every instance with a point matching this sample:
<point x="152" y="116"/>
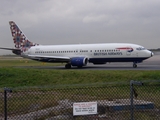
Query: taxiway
<point x="152" y="63"/>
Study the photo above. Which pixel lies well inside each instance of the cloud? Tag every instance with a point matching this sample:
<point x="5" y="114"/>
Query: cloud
<point x="82" y="21"/>
<point x="94" y="18"/>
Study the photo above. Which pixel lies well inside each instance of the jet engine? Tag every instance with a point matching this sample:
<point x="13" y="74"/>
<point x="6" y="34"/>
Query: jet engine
<point x="79" y="61"/>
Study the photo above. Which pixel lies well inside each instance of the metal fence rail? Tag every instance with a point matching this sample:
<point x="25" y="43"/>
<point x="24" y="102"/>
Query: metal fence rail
<point x="113" y="102"/>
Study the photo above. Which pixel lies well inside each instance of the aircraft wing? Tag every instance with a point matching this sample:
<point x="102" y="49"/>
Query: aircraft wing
<point x="50" y="58"/>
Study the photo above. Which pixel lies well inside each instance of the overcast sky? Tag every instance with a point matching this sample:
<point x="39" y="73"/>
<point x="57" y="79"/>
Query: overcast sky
<point x="82" y="21"/>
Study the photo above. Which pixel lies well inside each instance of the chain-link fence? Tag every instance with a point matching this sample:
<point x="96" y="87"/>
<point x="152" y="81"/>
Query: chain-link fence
<point x="107" y="101"/>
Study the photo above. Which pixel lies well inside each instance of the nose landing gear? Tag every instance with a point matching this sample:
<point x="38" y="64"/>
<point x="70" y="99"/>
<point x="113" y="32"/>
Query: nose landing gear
<point x="134" y="64"/>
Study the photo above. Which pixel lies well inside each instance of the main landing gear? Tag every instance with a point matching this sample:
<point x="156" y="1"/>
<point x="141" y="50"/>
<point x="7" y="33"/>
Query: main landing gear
<point x="134" y="64"/>
<point x="68" y="66"/>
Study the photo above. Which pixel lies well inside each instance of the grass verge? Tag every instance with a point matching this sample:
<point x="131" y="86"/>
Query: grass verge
<point x="21" y="77"/>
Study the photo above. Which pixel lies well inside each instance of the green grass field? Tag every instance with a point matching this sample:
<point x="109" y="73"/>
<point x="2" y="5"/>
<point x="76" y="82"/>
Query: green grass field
<point x="20" y="77"/>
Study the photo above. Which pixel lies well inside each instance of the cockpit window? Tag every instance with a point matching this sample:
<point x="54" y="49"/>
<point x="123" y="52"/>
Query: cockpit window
<point x="140" y="48"/>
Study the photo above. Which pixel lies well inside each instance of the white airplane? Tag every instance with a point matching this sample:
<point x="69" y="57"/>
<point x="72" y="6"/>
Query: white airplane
<point x="77" y="54"/>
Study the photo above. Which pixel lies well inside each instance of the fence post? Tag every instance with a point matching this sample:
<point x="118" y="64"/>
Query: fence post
<point x="132" y="82"/>
<point x="5" y="101"/>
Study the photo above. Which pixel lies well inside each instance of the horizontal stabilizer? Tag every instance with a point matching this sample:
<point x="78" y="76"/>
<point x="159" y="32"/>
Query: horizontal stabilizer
<point x="14" y="50"/>
<point x="10" y="48"/>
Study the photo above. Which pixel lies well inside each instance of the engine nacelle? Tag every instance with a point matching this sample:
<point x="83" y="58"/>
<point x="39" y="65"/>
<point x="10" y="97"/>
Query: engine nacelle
<point x="79" y="61"/>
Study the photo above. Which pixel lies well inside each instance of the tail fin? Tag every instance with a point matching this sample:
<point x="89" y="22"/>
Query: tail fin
<point x="20" y="40"/>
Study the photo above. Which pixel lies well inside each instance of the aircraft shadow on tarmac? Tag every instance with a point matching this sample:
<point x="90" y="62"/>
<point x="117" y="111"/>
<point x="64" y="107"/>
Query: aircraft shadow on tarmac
<point x="120" y="67"/>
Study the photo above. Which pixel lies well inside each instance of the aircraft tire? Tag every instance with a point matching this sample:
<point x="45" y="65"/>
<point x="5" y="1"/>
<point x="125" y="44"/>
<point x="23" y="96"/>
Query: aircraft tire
<point x="134" y="65"/>
<point x="79" y="66"/>
<point x="68" y="66"/>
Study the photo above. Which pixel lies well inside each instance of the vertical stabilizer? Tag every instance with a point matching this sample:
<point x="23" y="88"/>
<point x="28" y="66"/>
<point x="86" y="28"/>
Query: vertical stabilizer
<point x="20" y="40"/>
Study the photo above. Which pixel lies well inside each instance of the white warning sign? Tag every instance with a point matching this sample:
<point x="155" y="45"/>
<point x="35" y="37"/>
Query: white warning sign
<point x="84" y="108"/>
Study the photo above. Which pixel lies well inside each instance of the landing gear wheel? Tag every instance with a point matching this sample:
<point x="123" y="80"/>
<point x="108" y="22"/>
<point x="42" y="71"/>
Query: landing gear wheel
<point x="68" y="66"/>
<point x="134" y="65"/>
<point x="79" y="66"/>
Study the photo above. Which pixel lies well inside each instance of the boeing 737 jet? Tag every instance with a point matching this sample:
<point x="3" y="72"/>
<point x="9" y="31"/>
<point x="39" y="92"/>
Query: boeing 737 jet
<point x="77" y="54"/>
